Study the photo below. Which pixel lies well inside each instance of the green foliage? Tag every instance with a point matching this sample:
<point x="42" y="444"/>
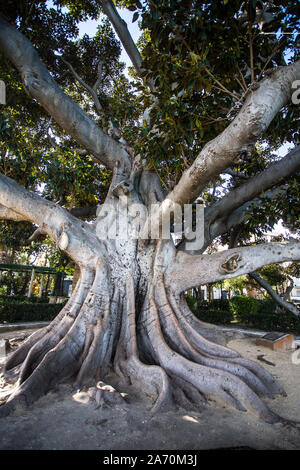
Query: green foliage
<point x="12" y="312"/>
<point x="219" y="304"/>
<point x="274" y="274"/>
<point x="191" y="301"/>
<point x="242" y="306"/>
<point x="273" y="321"/>
<point x="267" y="306"/>
<point x="217" y="311"/>
<point x="20" y="298"/>
<point x="197" y="54"/>
<point x="221" y="317"/>
<point x="261" y="314"/>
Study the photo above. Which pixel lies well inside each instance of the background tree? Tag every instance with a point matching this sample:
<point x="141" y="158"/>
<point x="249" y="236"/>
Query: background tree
<point x="210" y="97"/>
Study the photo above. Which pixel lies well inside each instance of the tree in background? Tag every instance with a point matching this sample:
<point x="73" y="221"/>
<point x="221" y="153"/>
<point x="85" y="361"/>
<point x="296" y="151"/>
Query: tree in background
<point x="211" y="99"/>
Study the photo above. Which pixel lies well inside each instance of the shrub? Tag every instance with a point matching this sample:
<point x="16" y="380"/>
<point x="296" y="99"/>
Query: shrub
<point x="13" y="312"/>
<point x="219" y="304"/>
<point x="285" y="322"/>
<point x="267" y="306"/>
<point x="20" y="298"/>
<point x="243" y="306"/>
<point x="221" y="317"/>
<point x="191" y="301"/>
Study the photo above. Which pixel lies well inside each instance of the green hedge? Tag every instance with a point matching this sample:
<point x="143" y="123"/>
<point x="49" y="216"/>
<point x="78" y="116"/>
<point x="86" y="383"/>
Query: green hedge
<point x="261" y="314"/>
<point x="210" y="312"/>
<point x="284" y="321"/>
<point x="267" y="306"/>
<point x="20" y="298"/>
<point x="219" y="304"/>
<point x="12" y="312"/>
<point x="242" y="306"/>
<point x="219" y="317"/>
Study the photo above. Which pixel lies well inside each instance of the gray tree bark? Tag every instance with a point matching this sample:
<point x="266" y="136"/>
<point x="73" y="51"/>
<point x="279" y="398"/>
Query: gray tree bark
<point x="279" y="300"/>
<point x="127" y="312"/>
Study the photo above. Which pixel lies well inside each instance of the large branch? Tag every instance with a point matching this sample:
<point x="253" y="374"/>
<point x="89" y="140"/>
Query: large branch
<point x="121" y="29"/>
<point x="255" y="186"/>
<point x="193" y="270"/>
<point x="71" y="235"/>
<point x="84" y="212"/>
<point x="9" y="214"/>
<point x="41" y="86"/>
<point x="279" y="300"/>
<point x="224" y="224"/>
<point x="260" y="107"/>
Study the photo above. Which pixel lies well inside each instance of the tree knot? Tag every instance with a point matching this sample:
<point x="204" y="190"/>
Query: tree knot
<point x="231" y="263"/>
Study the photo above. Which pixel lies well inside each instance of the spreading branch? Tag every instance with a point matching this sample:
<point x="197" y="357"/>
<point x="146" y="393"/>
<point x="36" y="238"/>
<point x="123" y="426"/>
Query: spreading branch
<point x="40" y="85"/>
<point x="193" y="270"/>
<point x="70" y="234"/>
<point x="121" y="29"/>
<point x="235" y="218"/>
<point x="255" y="186"/>
<point x="261" y="106"/>
<point x="279" y="300"/>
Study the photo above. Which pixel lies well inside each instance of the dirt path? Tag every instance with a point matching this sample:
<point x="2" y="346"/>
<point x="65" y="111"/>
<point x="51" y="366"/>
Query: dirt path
<point x="67" y="419"/>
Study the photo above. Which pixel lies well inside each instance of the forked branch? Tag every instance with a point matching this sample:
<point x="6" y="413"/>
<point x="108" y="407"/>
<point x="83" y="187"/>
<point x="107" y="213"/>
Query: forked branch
<point x="260" y="107"/>
<point x="255" y="186"/>
<point x="69" y="233"/>
<point x="41" y="86"/>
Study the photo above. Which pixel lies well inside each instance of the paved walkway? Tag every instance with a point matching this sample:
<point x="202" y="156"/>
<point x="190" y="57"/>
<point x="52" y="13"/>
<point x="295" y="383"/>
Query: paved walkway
<point x="30" y="325"/>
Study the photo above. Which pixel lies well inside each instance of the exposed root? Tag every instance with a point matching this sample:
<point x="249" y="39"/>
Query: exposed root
<point x="40" y="342"/>
<point x="189" y="395"/>
<point x="166" y="356"/>
<point x="213" y="383"/>
<point x="195" y="337"/>
<point x="182" y="345"/>
<point x="152" y="378"/>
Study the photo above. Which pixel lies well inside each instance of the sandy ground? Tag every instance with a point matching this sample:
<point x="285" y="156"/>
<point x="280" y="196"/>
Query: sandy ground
<point x="68" y="419"/>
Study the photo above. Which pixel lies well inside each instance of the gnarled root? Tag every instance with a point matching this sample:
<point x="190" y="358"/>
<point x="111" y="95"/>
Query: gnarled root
<point x="74" y="339"/>
<point x="153" y="379"/>
<point x="157" y="348"/>
<point x="215" y="373"/>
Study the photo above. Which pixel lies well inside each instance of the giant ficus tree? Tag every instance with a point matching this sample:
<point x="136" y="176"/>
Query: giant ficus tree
<point x="212" y="98"/>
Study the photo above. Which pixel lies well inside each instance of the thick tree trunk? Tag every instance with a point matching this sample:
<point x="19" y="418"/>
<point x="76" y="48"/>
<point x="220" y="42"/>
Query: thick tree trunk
<point x="127" y="314"/>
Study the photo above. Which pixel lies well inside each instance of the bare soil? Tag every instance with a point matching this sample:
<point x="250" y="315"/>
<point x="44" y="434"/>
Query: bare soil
<point x="69" y="419"/>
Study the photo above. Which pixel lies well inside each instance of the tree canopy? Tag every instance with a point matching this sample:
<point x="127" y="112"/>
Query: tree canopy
<point x="202" y="58"/>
